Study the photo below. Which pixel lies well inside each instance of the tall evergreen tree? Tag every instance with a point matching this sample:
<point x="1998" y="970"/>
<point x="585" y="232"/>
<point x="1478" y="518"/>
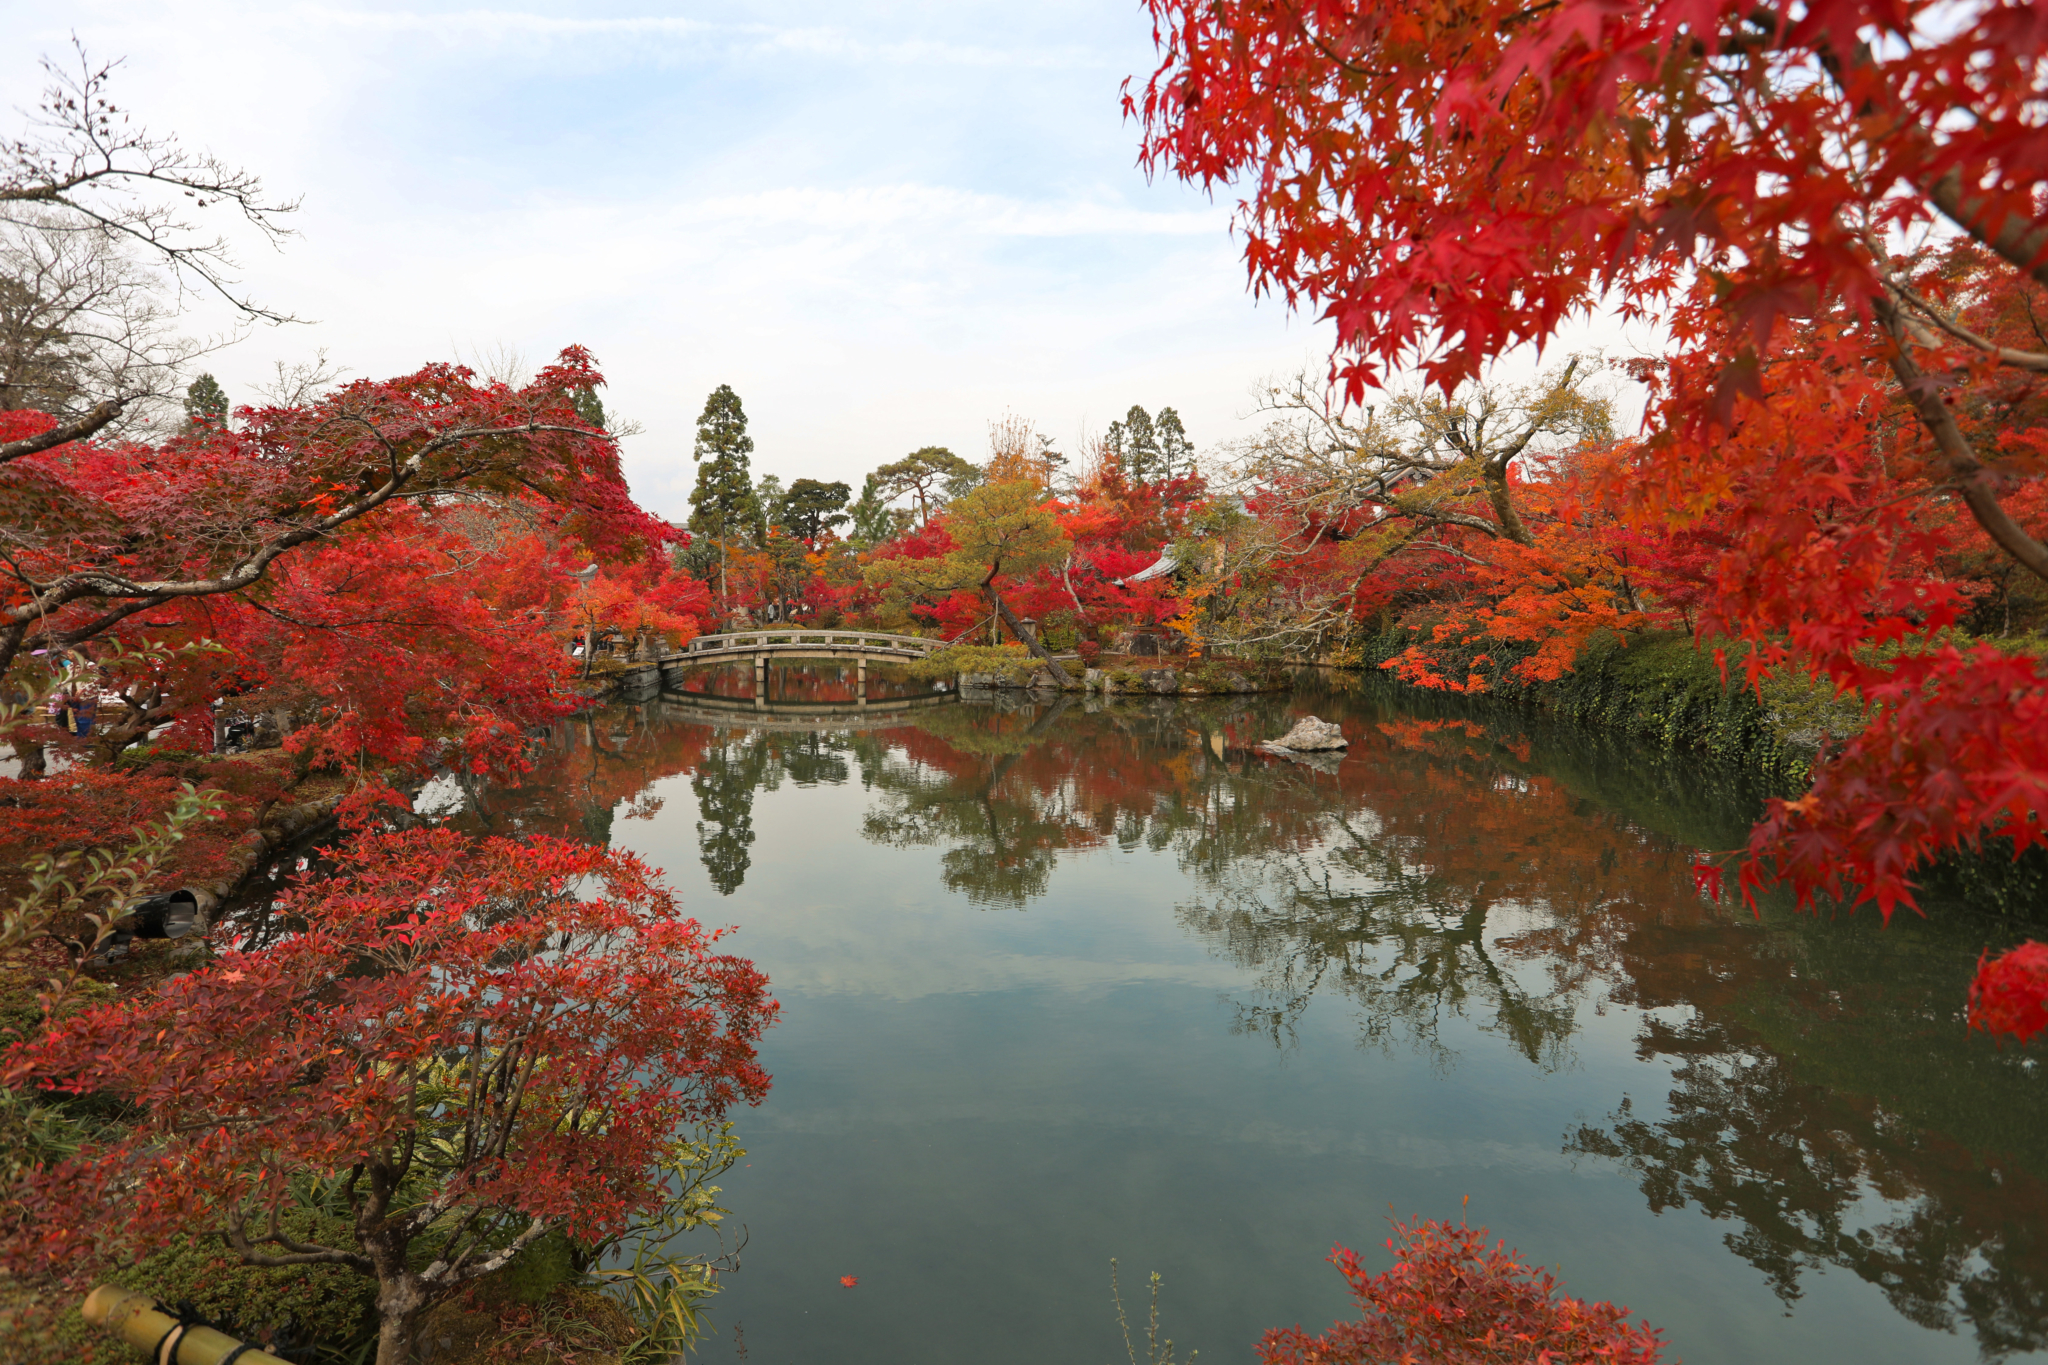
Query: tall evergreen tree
<point x="873" y="521"/>
<point x="1141" y="447"/>
<point x="1176" y="451"/>
<point x="769" y="496"/>
<point x="206" y="402"/>
<point x="1150" y="449"/>
<point x="723" y="504"/>
<point x="589" y="407"/>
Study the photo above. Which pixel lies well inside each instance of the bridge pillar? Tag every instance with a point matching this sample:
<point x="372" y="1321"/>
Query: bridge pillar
<point x="761" y="679"/>
<point x="860" y="678"/>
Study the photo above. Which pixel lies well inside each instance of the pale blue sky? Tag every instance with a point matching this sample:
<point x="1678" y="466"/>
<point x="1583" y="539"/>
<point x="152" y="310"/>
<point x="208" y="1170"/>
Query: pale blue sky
<point x="883" y="224"/>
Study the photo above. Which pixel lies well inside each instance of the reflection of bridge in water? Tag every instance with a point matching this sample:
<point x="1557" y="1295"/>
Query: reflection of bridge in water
<point x="757" y="713"/>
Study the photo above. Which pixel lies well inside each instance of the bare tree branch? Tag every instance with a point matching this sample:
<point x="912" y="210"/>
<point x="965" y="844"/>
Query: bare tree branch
<point x="86" y="161"/>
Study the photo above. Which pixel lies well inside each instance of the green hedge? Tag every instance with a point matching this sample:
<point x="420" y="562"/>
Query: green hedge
<point x="1664" y="690"/>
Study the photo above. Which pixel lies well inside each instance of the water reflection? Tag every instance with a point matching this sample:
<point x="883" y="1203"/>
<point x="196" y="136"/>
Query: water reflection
<point x="1807" y="1083"/>
<point x="1827" y="1101"/>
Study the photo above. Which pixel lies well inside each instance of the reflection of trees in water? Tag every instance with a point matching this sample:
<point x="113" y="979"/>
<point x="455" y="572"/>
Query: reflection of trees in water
<point x="1396" y="944"/>
<point x="1451" y="881"/>
<point x="584" y="769"/>
<point x="1824" y="1100"/>
<point x="1003" y="839"/>
<point x="724" y="784"/>
<point x="1956" y="1240"/>
<point x="731" y="770"/>
<point x="593" y="767"/>
<point x="1006" y="787"/>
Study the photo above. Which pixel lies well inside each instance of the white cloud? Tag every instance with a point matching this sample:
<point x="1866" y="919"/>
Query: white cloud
<point x="884" y="224"/>
<point x="723" y="38"/>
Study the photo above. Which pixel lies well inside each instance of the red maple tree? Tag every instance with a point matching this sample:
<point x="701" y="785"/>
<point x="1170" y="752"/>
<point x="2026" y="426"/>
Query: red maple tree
<point x="466" y="1046"/>
<point x="1446" y="183"/>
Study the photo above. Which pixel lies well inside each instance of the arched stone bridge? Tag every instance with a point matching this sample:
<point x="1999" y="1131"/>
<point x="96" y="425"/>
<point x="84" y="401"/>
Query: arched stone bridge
<point x="759" y="646"/>
<point x="833" y="644"/>
<point x="762" y="645"/>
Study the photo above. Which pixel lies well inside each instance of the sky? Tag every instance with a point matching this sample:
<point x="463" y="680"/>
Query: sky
<point x="884" y="224"/>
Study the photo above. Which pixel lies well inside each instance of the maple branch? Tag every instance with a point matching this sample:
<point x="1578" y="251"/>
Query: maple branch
<point x="1444" y="516"/>
<point x="102" y="583"/>
<point x="15" y="635"/>
<point x="2020" y="240"/>
<point x="294" y="1253"/>
<point x="2032" y="361"/>
<point x="76" y="429"/>
<point x="462" y="1270"/>
<point x="1453" y="551"/>
<point x="1968" y="475"/>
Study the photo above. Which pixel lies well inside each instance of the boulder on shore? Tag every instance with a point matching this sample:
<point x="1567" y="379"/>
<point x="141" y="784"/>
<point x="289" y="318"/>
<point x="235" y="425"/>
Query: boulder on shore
<point x="1310" y="734"/>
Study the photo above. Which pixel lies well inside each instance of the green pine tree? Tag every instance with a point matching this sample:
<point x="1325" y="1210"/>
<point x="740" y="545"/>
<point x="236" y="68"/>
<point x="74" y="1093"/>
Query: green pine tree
<point x="812" y="507"/>
<point x="1176" y="451"/>
<point x="1140" y="452"/>
<point x="872" y="520"/>
<point x="769" y="495"/>
<point x="930" y="476"/>
<point x="206" y="402"/>
<point x="723" y="504"/>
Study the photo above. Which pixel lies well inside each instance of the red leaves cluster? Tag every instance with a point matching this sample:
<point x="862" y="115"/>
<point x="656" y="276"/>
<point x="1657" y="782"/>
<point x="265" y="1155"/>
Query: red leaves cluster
<point x="392" y="568"/>
<point x="518" y="1029"/>
<point x="1452" y="181"/>
<point x="1452" y="1299"/>
<point x="2010" y="992"/>
<point x="1834" y="463"/>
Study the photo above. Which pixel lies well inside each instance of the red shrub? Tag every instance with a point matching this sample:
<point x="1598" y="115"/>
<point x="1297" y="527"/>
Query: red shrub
<point x="1450" y="1299"/>
<point x="2010" y="994"/>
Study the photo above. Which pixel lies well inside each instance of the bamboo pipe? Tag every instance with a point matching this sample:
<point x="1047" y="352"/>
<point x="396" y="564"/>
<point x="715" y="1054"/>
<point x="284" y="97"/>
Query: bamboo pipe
<point x="136" y="1319"/>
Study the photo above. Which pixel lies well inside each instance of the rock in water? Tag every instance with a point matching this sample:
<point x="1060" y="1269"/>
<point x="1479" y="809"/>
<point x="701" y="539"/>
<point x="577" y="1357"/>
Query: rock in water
<point x="1310" y="734"/>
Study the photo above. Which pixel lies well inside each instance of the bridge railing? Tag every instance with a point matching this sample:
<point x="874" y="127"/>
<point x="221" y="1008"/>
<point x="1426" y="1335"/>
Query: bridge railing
<point x="786" y="641"/>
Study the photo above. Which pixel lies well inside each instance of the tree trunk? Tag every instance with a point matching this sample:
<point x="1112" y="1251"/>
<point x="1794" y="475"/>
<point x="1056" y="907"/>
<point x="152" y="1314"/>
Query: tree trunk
<point x="111" y="742"/>
<point x="1028" y="636"/>
<point x="1496" y="481"/>
<point x="399" y="1304"/>
<point x="31" y="753"/>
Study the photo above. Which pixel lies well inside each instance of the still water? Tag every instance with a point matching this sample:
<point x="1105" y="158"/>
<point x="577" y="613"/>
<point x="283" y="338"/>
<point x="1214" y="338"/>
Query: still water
<point x="1065" y="981"/>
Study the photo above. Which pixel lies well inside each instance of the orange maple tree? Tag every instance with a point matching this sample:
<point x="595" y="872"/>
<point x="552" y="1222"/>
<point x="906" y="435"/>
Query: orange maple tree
<point x="1833" y="212"/>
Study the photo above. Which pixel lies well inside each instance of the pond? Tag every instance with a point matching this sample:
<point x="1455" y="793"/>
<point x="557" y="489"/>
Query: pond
<point x="1065" y="981"/>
